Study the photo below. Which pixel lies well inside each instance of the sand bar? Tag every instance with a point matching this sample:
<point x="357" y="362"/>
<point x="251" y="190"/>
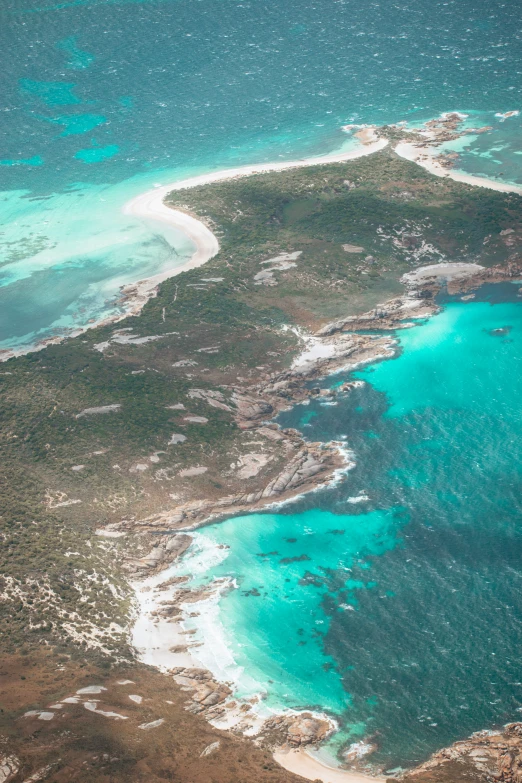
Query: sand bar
<point x="307" y="766"/>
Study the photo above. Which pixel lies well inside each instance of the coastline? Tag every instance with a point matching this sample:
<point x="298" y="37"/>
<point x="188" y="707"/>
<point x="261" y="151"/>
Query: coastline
<point x="165" y="644"/>
<point x="311" y="364"/>
<point x="302" y="763"/>
<point x="427" y="158"/>
<point x="432" y="135"/>
<point x="150" y="206"/>
<point x="163" y="638"/>
<point x="167" y="598"/>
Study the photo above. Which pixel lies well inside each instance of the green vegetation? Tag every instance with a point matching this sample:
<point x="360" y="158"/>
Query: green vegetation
<point x="213" y="334"/>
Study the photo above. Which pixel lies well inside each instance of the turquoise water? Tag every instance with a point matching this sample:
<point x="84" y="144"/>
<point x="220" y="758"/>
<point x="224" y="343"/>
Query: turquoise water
<point x="275" y="559"/>
<point x="399" y="614"/>
<point x="104" y="98"/>
<point x="404" y="621"/>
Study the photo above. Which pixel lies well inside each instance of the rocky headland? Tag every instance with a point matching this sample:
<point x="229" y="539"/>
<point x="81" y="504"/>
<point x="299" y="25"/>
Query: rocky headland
<point x="485" y="756"/>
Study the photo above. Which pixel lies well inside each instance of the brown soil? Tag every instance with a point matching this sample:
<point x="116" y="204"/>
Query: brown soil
<point x="84" y="746"/>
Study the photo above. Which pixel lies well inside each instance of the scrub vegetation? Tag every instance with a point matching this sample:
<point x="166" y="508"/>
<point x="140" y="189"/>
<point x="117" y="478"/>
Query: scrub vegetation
<point x="298" y="248"/>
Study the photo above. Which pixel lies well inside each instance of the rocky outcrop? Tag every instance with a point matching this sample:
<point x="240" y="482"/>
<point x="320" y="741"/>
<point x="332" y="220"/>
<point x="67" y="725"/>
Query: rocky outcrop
<point x="386" y="316"/>
<point x="297" y="730"/>
<point x="443" y="129"/>
<point x="206" y="695"/>
<point x="460" y="277"/>
<point x="9" y="766"/>
<point x="212" y="699"/>
<point x="215" y="399"/>
<point x="309" y="467"/>
<point x="485" y="756"/>
<point x="250" y="409"/>
<point x="165" y="549"/>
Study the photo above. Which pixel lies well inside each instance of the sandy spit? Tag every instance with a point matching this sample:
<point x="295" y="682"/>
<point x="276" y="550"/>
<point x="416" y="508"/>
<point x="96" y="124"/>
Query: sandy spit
<point x="307" y="766"/>
<point x="426" y="157"/>
<point x="150" y="205"/>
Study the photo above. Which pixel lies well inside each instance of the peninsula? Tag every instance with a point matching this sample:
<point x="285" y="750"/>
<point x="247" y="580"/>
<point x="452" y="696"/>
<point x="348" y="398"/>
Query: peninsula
<point x="120" y="441"/>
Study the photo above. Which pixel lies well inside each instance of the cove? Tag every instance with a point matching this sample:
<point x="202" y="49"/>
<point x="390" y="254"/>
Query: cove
<point x="400" y="615"/>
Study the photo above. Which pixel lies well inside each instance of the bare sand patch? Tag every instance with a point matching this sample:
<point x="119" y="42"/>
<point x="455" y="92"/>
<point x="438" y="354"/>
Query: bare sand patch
<point x="302" y="763"/>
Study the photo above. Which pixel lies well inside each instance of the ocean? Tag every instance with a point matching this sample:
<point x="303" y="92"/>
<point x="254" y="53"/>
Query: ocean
<point x="392" y="600"/>
<point x="400" y="613"/>
<point x="103" y="99"/>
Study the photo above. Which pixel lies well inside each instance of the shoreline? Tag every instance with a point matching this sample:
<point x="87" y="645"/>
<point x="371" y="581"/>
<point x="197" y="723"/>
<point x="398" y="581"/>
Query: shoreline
<point x="427" y="158"/>
<point x="150" y="206"/>
<point x="161" y="634"/>
<point x="167" y="646"/>
<point x="171" y="634"/>
<point x="307" y="766"/>
<point x="435" y="133"/>
<point x="168" y="598"/>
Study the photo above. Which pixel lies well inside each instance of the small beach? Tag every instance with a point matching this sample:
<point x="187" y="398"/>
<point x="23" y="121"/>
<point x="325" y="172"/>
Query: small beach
<point x="427" y="158"/>
<point x="307" y="766"/>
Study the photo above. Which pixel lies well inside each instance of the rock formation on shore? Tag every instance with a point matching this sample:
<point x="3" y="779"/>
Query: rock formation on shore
<point x="485" y="756"/>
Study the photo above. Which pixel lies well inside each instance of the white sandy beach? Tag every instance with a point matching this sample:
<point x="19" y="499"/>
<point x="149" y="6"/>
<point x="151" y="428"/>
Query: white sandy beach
<point x="426" y="157"/>
<point x="307" y="766"/>
<point x="151" y="206"/>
